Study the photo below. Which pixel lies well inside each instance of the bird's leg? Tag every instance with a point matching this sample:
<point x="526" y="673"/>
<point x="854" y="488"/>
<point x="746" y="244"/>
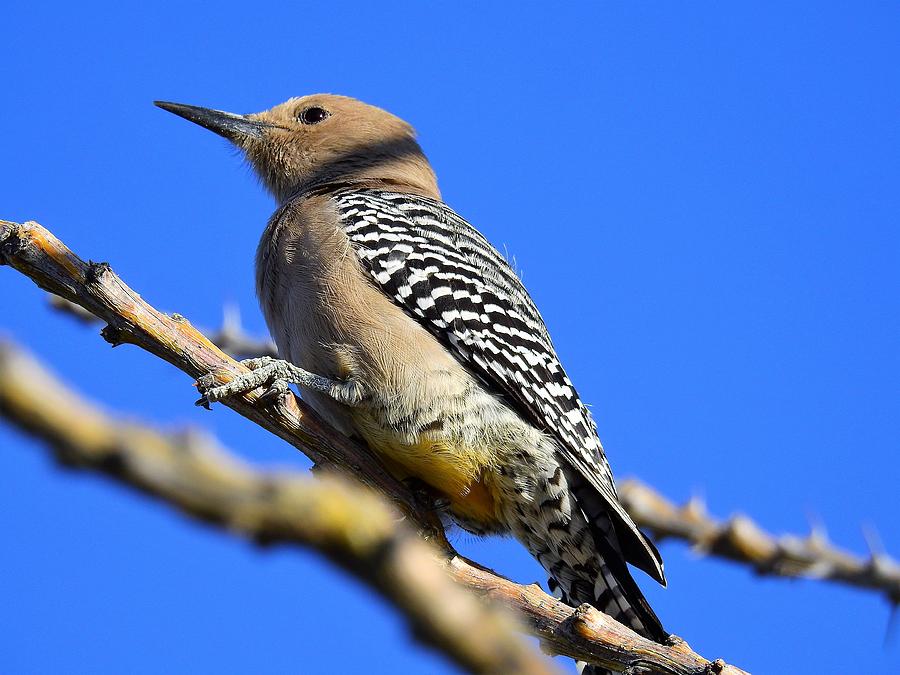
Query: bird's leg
<point x="275" y="375"/>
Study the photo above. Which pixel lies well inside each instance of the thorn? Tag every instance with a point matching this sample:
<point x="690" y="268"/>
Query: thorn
<point x="112" y="335"/>
<point x="873" y="543"/>
<point x="581" y="619"/>
<point x="695" y="508"/>
<point x="818" y="533"/>
<point x="735" y="524"/>
<point x="675" y="641"/>
<point x="231" y="319"/>
<point x="96" y="271"/>
<point x="891" y="629"/>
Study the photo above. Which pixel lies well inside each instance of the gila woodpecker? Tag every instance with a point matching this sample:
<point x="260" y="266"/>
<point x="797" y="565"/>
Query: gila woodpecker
<point x="403" y="327"/>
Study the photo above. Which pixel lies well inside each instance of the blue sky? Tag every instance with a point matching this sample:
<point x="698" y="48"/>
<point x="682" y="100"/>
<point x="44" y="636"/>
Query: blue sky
<point x="703" y="200"/>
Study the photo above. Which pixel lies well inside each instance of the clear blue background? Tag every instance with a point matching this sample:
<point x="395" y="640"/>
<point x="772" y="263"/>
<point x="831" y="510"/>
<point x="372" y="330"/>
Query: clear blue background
<point x="703" y="198"/>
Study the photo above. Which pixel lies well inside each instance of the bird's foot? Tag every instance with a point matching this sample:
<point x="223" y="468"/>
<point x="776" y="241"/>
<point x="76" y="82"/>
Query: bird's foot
<point x="275" y="375"/>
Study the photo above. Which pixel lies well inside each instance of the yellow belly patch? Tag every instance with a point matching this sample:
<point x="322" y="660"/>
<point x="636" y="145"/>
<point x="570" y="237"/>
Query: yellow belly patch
<point x="463" y="474"/>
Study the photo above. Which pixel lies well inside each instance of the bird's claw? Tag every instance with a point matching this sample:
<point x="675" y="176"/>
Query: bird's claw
<point x="277" y="389"/>
<point x="264" y="372"/>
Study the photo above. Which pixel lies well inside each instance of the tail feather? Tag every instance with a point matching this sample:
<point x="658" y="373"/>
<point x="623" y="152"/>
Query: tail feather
<point x="614" y="591"/>
<point x="569" y="528"/>
<point x="616" y="594"/>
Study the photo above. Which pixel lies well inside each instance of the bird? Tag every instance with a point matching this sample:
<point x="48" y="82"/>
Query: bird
<point x="402" y="326"/>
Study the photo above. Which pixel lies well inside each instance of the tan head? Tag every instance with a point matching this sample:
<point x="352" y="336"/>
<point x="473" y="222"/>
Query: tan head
<point x="314" y="140"/>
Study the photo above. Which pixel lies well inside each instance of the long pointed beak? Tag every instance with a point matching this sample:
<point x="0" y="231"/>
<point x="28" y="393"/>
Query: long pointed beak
<point x="231" y="126"/>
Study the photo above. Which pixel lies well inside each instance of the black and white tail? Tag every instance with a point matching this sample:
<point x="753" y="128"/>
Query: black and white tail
<point x="573" y="535"/>
<point x="615" y="593"/>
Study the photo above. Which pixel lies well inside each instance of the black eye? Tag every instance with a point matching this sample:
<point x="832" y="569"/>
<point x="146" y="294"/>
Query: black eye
<point x="313" y="115"/>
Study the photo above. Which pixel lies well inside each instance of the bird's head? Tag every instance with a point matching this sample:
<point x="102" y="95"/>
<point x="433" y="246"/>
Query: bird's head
<point x="319" y="139"/>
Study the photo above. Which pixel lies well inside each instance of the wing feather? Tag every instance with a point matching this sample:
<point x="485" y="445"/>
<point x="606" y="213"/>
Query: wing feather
<point x="444" y="273"/>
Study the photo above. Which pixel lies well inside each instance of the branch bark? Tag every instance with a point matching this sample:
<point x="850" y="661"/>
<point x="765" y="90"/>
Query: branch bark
<point x="584" y="633"/>
<point x="742" y="540"/>
<point x="353" y="528"/>
<point x="739" y="538"/>
<point x="230" y="337"/>
<point x="34" y="251"/>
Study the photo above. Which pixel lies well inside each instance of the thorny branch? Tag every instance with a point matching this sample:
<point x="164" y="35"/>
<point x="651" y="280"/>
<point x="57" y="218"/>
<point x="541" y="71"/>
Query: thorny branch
<point x="583" y="633"/>
<point x="35" y="252"/>
<point x="351" y="526"/>
<point x="230" y="337"/>
<point x="739" y="538"/>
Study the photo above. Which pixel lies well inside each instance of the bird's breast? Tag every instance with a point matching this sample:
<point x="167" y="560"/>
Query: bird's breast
<point x="422" y="413"/>
<point x="463" y="472"/>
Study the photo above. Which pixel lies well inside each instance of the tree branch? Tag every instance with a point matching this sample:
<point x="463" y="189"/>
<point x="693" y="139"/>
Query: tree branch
<point x="34" y="251"/>
<point x="353" y="528"/>
<point x="738" y="539"/>
<point x="349" y="524"/>
<point x="230" y="337"/>
<point x="584" y="633"/>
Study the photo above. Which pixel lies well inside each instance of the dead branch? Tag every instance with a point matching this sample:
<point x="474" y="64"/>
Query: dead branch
<point x="584" y="633"/>
<point x="354" y="528"/>
<point x="35" y="252"/>
<point x="349" y="524"/>
<point x="230" y="337"/>
<point x="740" y="539"/>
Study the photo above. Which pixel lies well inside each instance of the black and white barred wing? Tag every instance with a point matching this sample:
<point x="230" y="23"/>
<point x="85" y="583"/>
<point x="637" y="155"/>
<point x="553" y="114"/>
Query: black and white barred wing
<point x="445" y="274"/>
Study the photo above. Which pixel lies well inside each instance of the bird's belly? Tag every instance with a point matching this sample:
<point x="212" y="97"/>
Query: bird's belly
<point x="461" y="472"/>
